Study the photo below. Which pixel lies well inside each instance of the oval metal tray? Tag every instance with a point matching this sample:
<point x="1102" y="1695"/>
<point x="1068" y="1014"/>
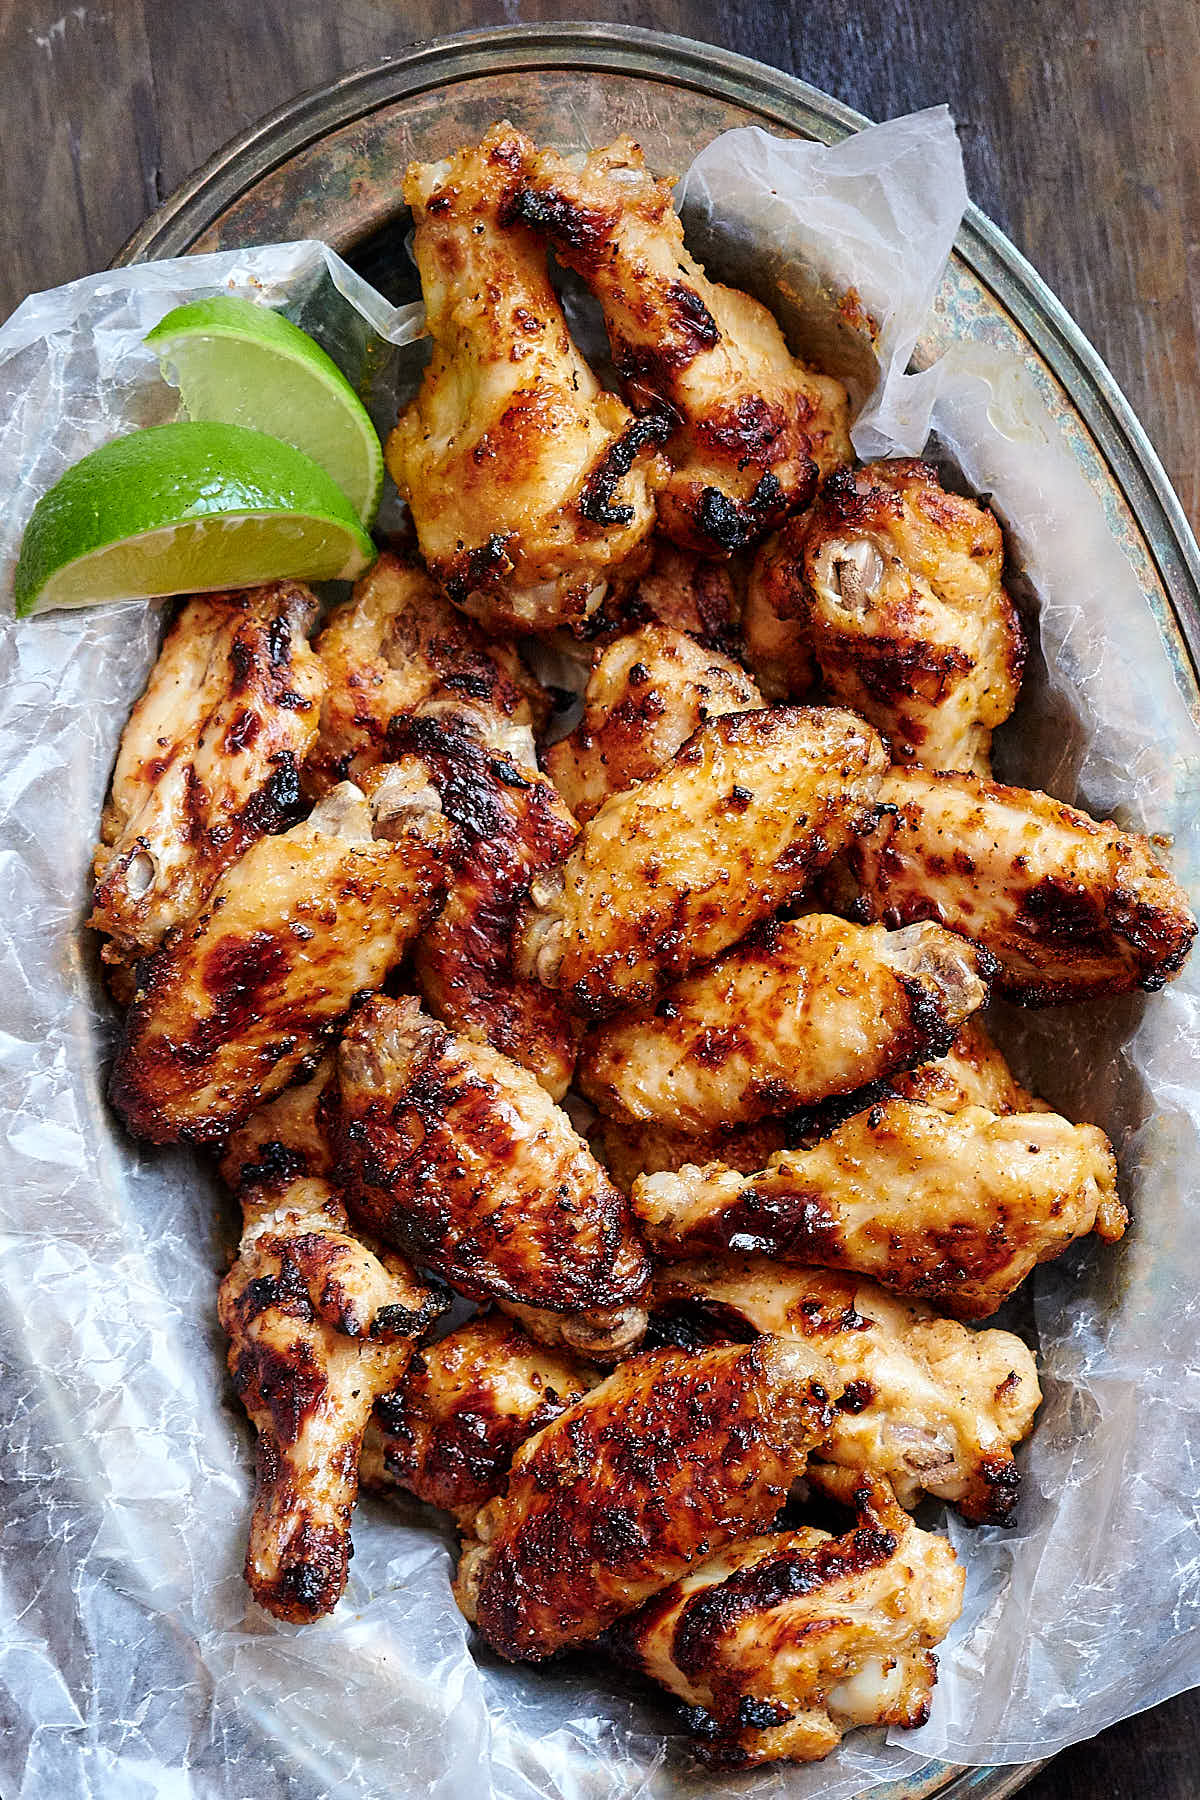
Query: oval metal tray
<point x="327" y="165"/>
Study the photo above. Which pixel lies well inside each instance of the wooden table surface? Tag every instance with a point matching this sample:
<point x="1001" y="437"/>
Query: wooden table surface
<point x="1080" y="125"/>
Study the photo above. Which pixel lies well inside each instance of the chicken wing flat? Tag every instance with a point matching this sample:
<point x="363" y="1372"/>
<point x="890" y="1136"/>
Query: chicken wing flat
<point x="230" y="1009"/>
<point x="955" y="1208"/>
<point x="780" y="1645"/>
<point x="803" y="1011"/>
<point x="449" y="1432"/>
<point x="776" y="641"/>
<point x="931" y="1405"/>
<point x="512" y="826"/>
<point x="1070" y="908"/>
<point x="398" y="644"/>
<point x="907" y="614"/>
<point x="528" y="483"/>
<point x="459" y="1157"/>
<point x="209" y="761"/>
<point x="751" y="426"/>
<point x="671" y="1457"/>
<point x="649" y="691"/>
<point x="318" y="1329"/>
<point x="678" y="868"/>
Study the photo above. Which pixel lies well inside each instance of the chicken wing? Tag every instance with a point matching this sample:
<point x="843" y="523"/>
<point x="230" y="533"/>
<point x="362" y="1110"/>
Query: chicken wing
<point x="672" y="1457"/>
<point x="649" y="691"/>
<point x="973" y="1072"/>
<point x="283" y="1141"/>
<point x="677" y="869"/>
<point x="955" y="1208"/>
<point x="776" y="640"/>
<point x="230" y="1009"/>
<point x="1069" y="907"/>
<point x="802" y="1011"/>
<point x="209" y="761"/>
<point x="780" y="1645"/>
<point x="459" y="1157"/>
<point x="751" y="426"/>
<point x="931" y="1405"/>
<point x="683" y="591"/>
<point x="449" y="1432"/>
<point x="628" y="1150"/>
<point x="396" y="645"/>
<point x="907" y="615"/>
<point x="528" y="483"/>
<point x="318" y="1329"/>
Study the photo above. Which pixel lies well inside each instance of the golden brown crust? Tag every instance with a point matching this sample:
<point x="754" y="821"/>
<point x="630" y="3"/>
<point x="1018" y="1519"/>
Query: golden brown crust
<point x="629" y="1150"/>
<point x="283" y="1141"/>
<point x="1069" y="907"/>
<point x="973" y="1072"/>
<point x="669" y="1458"/>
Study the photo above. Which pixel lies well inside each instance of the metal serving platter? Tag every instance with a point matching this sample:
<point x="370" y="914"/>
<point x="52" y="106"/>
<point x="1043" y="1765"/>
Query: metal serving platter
<point x="327" y="165"/>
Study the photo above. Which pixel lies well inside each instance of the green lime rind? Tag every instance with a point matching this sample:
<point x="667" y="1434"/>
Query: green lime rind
<point x="186" y="508"/>
<point x="243" y="364"/>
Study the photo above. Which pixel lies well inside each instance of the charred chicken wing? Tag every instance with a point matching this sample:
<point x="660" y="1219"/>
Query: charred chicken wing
<point x="670" y="1458"/>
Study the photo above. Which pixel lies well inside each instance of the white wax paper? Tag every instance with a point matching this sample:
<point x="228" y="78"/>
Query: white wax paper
<point x="131" y="1663"/>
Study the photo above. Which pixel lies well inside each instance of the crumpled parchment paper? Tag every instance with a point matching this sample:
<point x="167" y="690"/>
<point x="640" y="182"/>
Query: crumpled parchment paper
<point x="130" y="1661"/>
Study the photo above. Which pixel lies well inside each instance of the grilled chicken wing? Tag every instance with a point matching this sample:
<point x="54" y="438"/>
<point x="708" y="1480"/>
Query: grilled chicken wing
<point x="397" y="644"/>
<point x="683" y="591"/>
<point x="230" y="1009"/>
<point x="675" y="870"/>
<point x="628" y="1150"/>
<point x="971" y="1073"/>
<point x="671" y="1457"/>
<point x="906" y="612"/>
<point x="649" y="691"/>
<point x="319" y="1328"/>
<point x="449" y="1432"/>
<point x="806" y="1010"/>
<point x="775" y="637"/>
<point x="935" y="1407"/>
<point x="955" y="1208"/>
<point x="751" y="426"/>
<point x="458" y="1156"/>
<point x="283" y="1141"/>
<point x="1069" y="907"/>
<point x="209" y="761"/>
<point x="780" y="1645"/>
<point x="528" y="483"/>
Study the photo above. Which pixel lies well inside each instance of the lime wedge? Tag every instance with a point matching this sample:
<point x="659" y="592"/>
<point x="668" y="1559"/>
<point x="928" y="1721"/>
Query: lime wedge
<point x="246" y="365"/>
<point x="182" y="509"/>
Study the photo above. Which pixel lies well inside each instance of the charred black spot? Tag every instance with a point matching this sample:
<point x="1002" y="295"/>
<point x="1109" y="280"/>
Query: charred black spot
<point x="279" y="640"/>
<point x="480" y="567"/>
<point x="596" y="497"/>
<point x="580" y="234"/>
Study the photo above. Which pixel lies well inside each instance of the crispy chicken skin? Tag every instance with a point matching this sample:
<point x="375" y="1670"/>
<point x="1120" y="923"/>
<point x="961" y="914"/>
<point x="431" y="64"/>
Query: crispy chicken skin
<point x="228" y="1011"/>
<point x="931" y="1405"/>
<point x="397" y="644"/>
<point x="318" y="1328"/>
<point x="1070" y="908"/>
<point x="954" y="1208"/>
<point x="780" y="1645"/>
<point x="900" y="583"/>
<point x="283" y="1141"/>
<point x="528" y="483"/>
<point x="973" y="1072"/>
<point x="776" y="641"/>
<point x="209" y="761"/>
<point x="648" y="692"/>
<point x="747" y="419"/>
<point x="459" y="1157"/>
<point x="800" y="1012"/>
<point x="678" y="868"/>
<point x="670" y="1458"/>
<point x="449" y="1432"/>
<point x="512" y="827"/>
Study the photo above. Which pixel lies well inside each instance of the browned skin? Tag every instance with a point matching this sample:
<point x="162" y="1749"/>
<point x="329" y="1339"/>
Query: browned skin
<point x="679" y="589"/>
<point x="629" y="1150"/>
<point x="283" y="1141"/>
<point x="648" y="692"/>
<point x="779" y="1646"/>
<point x="954" y="1208"/>
<point x="397" y="644"/>
<point x="230" y="1009"/>
<point x="931" y="1405"/>
<point x="803" y="1011"/>
<point x="675" y="870"/>
<point x="750" y="424"/>
<point x="973" y="1072"/>
<point x="528" y="483"/>
<point x="1070" y="908"/>
<point x="459" y="1157"/>
<point x="318" y="1329"/>
<point x="449" y="1432"/>
<point x="209" y="761"/>
<point x="670" y="1458"/>
<point x="900" y="585"/>
<point x="776" y="640"/>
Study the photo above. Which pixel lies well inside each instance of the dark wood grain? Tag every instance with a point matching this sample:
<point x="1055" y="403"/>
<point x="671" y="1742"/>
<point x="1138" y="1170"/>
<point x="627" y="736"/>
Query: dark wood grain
<point x="1080" y="124"/>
